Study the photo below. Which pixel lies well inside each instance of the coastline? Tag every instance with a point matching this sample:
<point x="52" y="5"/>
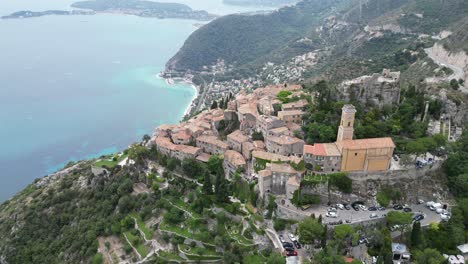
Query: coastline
<point x="176" y="80"/>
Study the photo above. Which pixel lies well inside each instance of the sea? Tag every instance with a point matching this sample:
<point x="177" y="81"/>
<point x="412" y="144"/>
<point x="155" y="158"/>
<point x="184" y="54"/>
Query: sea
<point x="78" y="87"/>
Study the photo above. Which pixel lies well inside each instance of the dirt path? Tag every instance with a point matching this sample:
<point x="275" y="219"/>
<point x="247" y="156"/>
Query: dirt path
<point x="134" y="249"/>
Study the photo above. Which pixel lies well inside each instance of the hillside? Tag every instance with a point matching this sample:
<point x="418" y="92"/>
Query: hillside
<point x="368" y="37"/>
<point x="259" y="2"/>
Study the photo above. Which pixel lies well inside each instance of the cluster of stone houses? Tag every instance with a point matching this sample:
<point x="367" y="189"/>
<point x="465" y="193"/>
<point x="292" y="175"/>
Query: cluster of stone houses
<point x="259" y="111"/>
<point x="275" y="159"/>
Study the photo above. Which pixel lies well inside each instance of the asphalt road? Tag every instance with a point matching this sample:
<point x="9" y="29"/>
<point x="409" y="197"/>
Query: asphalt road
<point x="360" y="216"/>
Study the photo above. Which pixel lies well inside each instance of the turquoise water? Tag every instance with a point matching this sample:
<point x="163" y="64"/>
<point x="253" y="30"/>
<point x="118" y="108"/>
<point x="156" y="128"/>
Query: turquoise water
<point x="79" y="87"/>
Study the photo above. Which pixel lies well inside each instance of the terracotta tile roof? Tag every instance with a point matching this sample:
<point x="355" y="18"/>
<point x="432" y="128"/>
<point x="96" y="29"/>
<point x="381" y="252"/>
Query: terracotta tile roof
<point x="279" y="130"/>
<point x="269" y="156"/>
<point x="234" y="157"/>
<point x="187" y="149"/>
<point x="308" y="149"/>
<point x="259" y="144"/>
<point x="238" y="136"/>
<point x="282" y="168"/>
<point x="290" y="113"/>
<point x="249" y="108"/>
<point x="213" y="141"/>
<point x="285" y="140"/>
<point x="299" y="104"/>
<point x="204" y="157"/>
<point x="293" y="181"/>
<point x="326" y="149"/>
<point x="264" y="173"/>
<point x="369" y="143"/>
<point x="181" y="135"/>
<point x="165" y="142"/>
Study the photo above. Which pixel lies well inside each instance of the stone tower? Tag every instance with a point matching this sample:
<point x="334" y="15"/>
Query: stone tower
<point x="346" y="130"/>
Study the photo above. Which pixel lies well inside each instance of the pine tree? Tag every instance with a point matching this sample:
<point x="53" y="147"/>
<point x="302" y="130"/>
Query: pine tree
<point x="207" y="186"/>
<point x="214" y="105"/>
<point x="417" y="236"/>
<point x="221" y="188"/>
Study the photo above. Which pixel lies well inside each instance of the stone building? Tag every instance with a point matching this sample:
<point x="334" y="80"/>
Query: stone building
<point x="266" y="123"/>
<point x="323" y="157"/>
<point x="180" y="152"/>
<point x="235" y="140"/>
<point x="233" y="161"/>
<point x="298" y="105"/>
<point x="371" y="154"/>
<point x="285" y="145"/>
<point x="291" y="116"/>
<point x="273" y="179"/>
<point x="211" y="145"/>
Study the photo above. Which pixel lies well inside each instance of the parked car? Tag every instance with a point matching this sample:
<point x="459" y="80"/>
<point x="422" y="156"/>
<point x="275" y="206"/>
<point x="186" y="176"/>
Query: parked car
<point x="340" y="206"/>
<point x="347" y="207"/>
<point x="444" y="217"/>
<point x="356" y="208"/>
<point x="372" y="208"/>
<point x="420" y="201"/>
<point x="292" y="237"/>
<point x="373" y="215"/>
<point x="407" y="209"/>
<point x="331" y="209"/>
<point x="291" y="253"/>
<point x="288" y="244"/>
<point x="398" y="207"/>
<point x="297" y="244"/>
<point x="381" y="208"/>
<point x="281" y="238"/>
<point x="362" y="207"/>
<point x="418" y="217"/>
<point x="331" y="214"/>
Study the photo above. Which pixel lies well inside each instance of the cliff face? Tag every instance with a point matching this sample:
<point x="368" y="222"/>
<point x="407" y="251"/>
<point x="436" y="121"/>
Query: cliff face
<point x="377" y="90"/>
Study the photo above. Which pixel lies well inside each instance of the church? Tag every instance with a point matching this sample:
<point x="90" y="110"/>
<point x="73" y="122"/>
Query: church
<point x="348" y="154"/>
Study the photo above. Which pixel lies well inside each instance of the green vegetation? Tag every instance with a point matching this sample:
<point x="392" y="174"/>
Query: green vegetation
<point x="310" y="231"/>
<point x="299" y="199"/>
<point x="110" y="161"/>
<point x="387" y="194"/>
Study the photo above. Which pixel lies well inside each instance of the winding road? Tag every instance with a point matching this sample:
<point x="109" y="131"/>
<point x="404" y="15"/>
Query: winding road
<point x="457" y="74"/>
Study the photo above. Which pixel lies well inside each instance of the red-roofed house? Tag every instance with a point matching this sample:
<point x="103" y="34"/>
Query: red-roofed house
<point x="322" y="157"/>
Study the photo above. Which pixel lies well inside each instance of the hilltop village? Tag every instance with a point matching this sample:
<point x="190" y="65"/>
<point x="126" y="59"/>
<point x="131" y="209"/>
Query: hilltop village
<point x="257" y="137"/>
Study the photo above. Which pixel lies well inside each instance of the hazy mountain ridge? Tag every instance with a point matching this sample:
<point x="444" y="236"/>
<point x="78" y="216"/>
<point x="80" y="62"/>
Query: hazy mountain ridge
<point x="342" y="29"/>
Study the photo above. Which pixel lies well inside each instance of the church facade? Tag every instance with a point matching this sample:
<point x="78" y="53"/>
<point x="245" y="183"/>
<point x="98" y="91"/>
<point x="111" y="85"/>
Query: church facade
<point x="348" y="154"/>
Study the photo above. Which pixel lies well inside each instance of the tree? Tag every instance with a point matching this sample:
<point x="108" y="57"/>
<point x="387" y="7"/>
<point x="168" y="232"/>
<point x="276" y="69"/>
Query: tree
<point x="174" y="216"/>
<point x="146" y="138"/>
<point x="343" y="231"/>
<point x="207" y="185"/>
<point x="430" y="256"/>
<point x="221" y="188"/>
<point x="417" y="241"/>
<point x="309" y="231"/>
<point x="192" y="168"/>
<point x="454" y="84"/>
<point x="214" y="105"/>
<point x="398" y="218"/>
<point x="275" y="258"/>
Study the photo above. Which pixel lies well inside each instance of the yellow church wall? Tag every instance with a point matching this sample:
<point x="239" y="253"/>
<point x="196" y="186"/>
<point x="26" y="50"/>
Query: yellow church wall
<point x="353" y="160"/>
<point x="377" y="165"/>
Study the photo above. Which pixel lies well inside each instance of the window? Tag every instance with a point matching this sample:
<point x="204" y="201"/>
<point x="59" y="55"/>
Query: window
<point x="355" y="154"/>
<point x="349" y="123"/>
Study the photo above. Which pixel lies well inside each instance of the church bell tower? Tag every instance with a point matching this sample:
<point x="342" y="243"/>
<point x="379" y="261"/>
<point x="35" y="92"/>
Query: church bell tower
<point x="346" y="130"/>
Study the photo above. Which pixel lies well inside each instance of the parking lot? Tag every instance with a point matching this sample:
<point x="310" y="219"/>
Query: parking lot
<point x="352" y="216"/>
